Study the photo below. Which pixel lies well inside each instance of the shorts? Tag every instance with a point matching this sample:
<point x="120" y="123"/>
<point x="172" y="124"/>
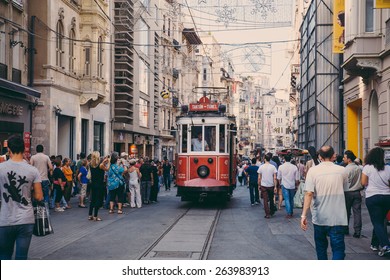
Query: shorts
<point x="83" y="189"/>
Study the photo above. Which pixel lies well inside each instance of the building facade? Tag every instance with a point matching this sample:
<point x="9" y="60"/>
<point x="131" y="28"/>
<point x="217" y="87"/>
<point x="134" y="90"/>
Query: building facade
<point x="71" y="66"/>
<point x="18" y="99"/>
<point x="367" y="77"/>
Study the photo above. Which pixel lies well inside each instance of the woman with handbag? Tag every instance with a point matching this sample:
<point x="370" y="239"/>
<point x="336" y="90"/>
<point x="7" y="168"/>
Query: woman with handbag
<point x="115" y="182"/>
<point x="97" y="188"/>
<point x="59" y="182"/>
<point x="376" y="176"/>
<point x="69" y="180"/>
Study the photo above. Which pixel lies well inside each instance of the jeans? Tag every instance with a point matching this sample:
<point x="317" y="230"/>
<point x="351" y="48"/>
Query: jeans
<point x="378" y="206"/>
<point x="336" y="236"/>
<point x="145" y="190"/>
<point x="46" y="190"/>
<point x="19" y="235"/>
<point x="254" y="192"/>
<point x="288" y="195"/>
<point x="353" y="200"/>
<point x="268" y="196"/>
<point x="167" y="181"/>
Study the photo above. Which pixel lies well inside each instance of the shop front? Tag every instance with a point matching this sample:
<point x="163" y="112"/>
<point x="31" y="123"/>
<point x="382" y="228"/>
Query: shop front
<point x="16" y="105"/>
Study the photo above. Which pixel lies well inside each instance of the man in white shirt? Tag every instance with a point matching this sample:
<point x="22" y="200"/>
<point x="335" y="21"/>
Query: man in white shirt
<point x="288" y="176"/>
<point x="197" y="143"/>
<point x="267" y="185"/>
<point x="43" y="164"/>
<point x="325" y="186"/>
<point x="353" y="197"/>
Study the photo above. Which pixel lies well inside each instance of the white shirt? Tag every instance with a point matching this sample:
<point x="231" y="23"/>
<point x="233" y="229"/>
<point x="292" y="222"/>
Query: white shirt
<point x="289" y="173"/>
<point x="197" y="144"/>
<point x="376" y="185"/>
<point x="42" y="163"/>
<point x="328" y="182"/>
<point x="267" y="172"/>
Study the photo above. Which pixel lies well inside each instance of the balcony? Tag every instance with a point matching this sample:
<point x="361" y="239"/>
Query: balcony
<point x="362" y="57"/>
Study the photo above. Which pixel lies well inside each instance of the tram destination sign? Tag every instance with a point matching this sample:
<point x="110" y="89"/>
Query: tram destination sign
<point x="204" y="107"/>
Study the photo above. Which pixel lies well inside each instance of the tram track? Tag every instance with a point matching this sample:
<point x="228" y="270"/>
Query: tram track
<point x="188" y="237"/>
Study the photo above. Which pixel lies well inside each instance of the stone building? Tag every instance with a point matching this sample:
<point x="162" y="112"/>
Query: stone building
<point x="17" y="99"/>
<point x="366" y="77"/>
<point x="71" y="66"/>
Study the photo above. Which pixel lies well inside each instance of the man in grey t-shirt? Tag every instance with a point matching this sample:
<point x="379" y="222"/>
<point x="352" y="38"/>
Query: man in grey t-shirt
<point x="325" y="185"/>
<point x="19" y="182"/>
<point x="43" y="164"/>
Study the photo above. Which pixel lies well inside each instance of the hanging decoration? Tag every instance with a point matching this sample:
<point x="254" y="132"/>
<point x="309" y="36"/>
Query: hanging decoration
<point x="226" y="15"/>
<point x="165" y="94"/>
<point x="263" y="7"/>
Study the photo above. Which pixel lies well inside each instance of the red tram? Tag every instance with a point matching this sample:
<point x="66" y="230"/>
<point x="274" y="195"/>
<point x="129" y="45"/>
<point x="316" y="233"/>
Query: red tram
<point x="206" y="159"/>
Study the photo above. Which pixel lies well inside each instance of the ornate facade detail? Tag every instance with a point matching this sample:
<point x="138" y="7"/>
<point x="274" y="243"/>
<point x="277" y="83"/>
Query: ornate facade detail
<point x="91" y="99"/>
<point x="374" y="63"/>
<point x="61" y="13"/>
<point x="73" y="23"/>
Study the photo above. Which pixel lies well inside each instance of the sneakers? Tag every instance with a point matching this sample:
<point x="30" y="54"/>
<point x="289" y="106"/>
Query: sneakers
<point x="385" y="251"/>
<point x="252" y="204"/>
<point x="374" y="248"/>
<point x="356" y="235"/>
<point x="59" y="209"/>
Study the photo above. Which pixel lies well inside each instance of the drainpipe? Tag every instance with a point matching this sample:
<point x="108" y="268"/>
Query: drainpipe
<point x="341" y="106"/>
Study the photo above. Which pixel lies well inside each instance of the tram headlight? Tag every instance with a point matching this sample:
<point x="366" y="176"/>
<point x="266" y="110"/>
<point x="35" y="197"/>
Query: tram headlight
<point x="203" y="171"/>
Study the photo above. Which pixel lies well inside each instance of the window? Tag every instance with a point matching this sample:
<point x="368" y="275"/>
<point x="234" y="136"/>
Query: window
<point x="98" y="137"/>
<point x="2" y="43"/>
<point x="203" y="138"/>
<point x="143" y="112"/>
<point x="72" y="58"/>
<point x="84" y="136"/>
<point x="169" y="27"/>
<point x="100" y="58"/>
<point x="204" y="74"/>
<point x="369" y="16"/>
<point x="157" y="15"/>
<point x="15" y="49"/>
<point x="222" y="138"/>
<point x="184" y="138"/>
<point x="87" y="61"/>
<point x="59" y="43"/>
<point x="143" y="77"/>
<point x="164" y="18"/>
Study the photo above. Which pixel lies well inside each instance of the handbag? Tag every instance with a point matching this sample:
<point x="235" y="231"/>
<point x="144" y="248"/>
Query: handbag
<point x="42" y="224"/>
<point x="89" y="176"/>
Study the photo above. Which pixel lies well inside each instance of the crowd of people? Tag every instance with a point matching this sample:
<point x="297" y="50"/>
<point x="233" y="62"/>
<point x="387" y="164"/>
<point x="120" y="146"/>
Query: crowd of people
<point x="333" y="191"/>
<point x="334" y="186"/>
<point x="112" y="182"/>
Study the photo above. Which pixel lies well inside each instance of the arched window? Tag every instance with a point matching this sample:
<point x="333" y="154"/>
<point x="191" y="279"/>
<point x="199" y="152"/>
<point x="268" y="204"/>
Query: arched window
<point x="72" y="58"/>
<point x="59" y="43"/>
<point x="374" y="119"/>
<point x="100" y="58"/>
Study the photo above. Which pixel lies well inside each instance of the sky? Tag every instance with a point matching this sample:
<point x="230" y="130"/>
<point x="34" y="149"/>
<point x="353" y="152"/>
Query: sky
<point x="255" y="34"/>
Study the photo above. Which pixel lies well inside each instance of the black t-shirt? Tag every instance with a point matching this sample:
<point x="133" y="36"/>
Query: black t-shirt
<point x="166" y="168"/>
<point x="146" y="171"/>
<point x="58" y="174"/>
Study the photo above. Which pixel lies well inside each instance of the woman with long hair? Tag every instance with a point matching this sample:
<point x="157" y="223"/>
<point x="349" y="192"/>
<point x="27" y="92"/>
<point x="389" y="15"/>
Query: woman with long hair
<point x="376" y="176"/>
<point x="97" y="187"/>
<point x="69" y="180"/>
<point x="115" y="182"/>
<point x="59" y="182"/>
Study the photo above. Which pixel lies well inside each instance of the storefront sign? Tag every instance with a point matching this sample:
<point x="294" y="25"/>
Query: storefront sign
<point x="27" y="144"/>
<point x="10" y="109"/>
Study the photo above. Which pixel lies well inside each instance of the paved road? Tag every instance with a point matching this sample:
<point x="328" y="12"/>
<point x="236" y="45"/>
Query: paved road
<point x="240" y="232"/>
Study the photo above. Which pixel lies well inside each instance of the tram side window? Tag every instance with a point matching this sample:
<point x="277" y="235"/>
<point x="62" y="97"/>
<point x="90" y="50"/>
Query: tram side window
<point x="184" y="139"/>
<point x="222" y="137"/>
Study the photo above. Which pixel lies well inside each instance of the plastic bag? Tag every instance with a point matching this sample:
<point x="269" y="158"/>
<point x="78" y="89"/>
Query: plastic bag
<point x="42" y="224"/>
<point x="298" y="198"/>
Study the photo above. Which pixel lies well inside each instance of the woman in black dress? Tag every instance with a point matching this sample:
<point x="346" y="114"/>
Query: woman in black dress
<point x="97" y="168"/>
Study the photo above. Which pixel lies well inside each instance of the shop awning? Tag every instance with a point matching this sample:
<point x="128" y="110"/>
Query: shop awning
<point x="11" y="87"/>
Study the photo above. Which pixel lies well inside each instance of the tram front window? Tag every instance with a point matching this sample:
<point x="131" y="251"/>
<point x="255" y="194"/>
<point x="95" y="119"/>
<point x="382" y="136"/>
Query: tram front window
<point x="202" y="139"/>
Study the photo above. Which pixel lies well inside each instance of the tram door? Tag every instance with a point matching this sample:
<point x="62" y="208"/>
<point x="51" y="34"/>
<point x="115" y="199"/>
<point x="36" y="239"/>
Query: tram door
<point x="232" y="155"/>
